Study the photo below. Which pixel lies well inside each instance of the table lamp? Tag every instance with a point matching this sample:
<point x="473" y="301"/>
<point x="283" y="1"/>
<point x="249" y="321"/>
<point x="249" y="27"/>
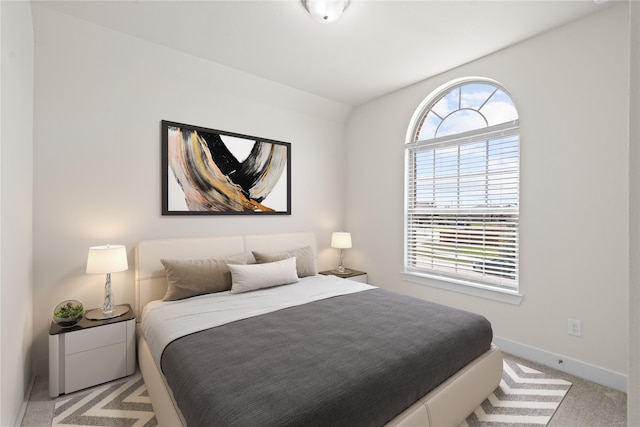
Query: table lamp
<point x="106" y="260"/>
<point x="341" y="240"/>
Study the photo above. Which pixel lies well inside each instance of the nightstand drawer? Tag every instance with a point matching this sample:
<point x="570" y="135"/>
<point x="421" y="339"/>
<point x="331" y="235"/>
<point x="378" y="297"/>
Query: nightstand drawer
<point x="97" y="366"/>
<point x="91" y="352"/>
<point x="93" y="338"/>
<point x="359" y="278"/>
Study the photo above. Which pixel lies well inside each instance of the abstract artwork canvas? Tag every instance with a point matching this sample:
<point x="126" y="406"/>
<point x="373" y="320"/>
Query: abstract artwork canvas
<point x="213" y="172"/>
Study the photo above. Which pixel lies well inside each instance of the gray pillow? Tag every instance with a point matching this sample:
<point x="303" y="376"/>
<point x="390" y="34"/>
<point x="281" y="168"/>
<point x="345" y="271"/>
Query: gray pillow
<point x="189" y="278"/>
<point x="305" y="260"/>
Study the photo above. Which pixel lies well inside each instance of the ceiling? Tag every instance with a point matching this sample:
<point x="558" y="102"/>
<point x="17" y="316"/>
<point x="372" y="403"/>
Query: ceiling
<point x="375" y="48"/>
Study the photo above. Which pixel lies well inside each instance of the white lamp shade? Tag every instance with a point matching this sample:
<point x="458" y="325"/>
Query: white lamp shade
<point x="340" y="240"/>
<point x="107" y="259"/>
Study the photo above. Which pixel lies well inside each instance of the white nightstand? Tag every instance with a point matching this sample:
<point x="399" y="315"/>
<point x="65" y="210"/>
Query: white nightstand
<point x="355" y="275"/>
<point x="91" y="352"/>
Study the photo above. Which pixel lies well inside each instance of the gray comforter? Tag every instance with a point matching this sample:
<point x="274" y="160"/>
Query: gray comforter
<point x="352" y="360"/>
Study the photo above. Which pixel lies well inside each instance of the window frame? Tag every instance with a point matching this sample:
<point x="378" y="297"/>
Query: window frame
<point x="467" y="284"/>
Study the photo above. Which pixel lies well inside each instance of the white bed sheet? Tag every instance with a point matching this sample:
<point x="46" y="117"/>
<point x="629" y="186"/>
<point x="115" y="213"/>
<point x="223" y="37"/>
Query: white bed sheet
<point x="165" y="321"/>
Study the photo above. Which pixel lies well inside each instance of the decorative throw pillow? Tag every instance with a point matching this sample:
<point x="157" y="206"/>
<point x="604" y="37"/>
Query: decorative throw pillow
<point x="250" y="277"/>
<point x="189" y="278"/>
<point x="305" y="260"/>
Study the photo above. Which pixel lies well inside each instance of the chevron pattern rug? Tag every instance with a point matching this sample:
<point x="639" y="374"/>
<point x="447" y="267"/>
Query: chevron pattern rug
<point x="525" y="397"/>
<point x="123" y="403"/>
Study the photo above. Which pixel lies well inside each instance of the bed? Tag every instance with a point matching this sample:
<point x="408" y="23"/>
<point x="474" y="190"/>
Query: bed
<point x="278" y="362"/>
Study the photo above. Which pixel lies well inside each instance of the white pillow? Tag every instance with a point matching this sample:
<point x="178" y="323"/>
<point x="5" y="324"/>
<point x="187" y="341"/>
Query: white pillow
<point x="257" y="276"/>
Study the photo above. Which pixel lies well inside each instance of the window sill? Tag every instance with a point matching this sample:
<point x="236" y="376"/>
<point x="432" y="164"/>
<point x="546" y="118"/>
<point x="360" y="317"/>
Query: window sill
<point x="464" y="287"/>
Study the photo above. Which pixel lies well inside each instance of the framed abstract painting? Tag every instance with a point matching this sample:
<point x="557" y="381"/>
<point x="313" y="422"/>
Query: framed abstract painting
<point x="213" y="172"/>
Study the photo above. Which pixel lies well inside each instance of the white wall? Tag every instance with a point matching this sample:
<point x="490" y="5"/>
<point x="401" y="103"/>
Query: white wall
<point x="571" y="88"/>
<point x="16" y="183"/>
<point x="633" y="393"/>
<point x="100" y="96"/>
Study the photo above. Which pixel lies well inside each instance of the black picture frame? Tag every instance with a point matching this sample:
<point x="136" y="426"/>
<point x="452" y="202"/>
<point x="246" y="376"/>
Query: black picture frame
<point x="214" y="172"/>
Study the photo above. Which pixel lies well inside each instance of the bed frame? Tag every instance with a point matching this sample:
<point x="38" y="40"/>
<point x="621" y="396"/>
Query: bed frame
<point x="447" y="405"/>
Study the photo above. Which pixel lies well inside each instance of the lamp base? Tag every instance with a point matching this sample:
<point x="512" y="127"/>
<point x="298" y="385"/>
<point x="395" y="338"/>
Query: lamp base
<point x="98" y="314"/>
<point x="341" y="272"/>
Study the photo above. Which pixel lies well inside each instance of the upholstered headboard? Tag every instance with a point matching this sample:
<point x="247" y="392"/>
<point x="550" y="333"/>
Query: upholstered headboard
<point x="150" y="279"/>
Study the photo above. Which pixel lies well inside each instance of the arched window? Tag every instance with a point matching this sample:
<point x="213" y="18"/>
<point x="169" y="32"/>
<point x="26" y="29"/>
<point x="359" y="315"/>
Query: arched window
<point x="462" y="187"/>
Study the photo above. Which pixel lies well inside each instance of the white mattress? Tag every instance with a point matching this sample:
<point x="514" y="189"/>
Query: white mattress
<point x="166" y="321"/>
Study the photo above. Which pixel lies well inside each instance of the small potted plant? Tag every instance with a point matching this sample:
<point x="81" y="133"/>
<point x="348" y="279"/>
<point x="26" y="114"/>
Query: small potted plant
<point x="68" y="313"/>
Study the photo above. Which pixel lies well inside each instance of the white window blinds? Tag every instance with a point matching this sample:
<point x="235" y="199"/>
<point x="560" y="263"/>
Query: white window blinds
<point x="462" y="206"/>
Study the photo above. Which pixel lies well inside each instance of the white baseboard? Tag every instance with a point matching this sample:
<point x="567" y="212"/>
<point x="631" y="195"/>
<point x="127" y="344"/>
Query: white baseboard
<point x="565" y="364"/>
<point x="23" y="407"/>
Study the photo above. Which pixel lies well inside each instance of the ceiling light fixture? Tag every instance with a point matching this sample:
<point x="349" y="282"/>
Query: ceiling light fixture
<point x="326" y="11"/>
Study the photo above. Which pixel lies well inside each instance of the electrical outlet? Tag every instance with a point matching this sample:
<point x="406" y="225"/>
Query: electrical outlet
<point x="574" y="327"/>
